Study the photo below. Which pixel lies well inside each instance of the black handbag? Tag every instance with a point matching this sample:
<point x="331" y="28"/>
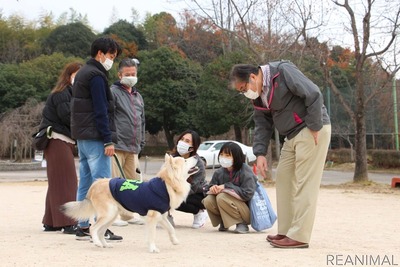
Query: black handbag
<point x="40" y="139"/>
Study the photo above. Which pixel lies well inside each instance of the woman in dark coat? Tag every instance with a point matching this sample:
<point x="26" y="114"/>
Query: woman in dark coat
<point x="59" y="153"/>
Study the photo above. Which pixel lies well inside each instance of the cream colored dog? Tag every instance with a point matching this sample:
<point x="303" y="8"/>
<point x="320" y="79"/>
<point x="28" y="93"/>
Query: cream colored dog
<point x="107" y="198"/>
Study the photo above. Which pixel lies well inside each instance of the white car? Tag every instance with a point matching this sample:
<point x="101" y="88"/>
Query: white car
<point x="209" y="150"/>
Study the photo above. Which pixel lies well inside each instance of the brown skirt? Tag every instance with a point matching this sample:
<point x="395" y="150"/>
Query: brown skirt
<point x="62" y="182"/>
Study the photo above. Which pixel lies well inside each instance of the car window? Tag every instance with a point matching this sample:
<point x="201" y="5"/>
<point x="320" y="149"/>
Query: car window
<point x="205" y="146"/>
<point x="219" y="145"/>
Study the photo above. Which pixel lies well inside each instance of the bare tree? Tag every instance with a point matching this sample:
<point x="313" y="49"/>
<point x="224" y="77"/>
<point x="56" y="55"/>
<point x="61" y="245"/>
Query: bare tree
<point x="302" y="17"/>
<point x="372" y="42"/>
<point x="363" y="45"/>
<point x="246" y="24"/>
<point x="16" y="129"/>
<point x="372" y="25"/>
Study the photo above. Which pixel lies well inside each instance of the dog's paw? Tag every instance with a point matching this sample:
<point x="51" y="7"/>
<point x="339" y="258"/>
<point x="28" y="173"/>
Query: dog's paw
<point x="174" y="240"/>
<point x="107" y="245"/>
<point x="98" y="244"/>
<point x="153" y="249"/>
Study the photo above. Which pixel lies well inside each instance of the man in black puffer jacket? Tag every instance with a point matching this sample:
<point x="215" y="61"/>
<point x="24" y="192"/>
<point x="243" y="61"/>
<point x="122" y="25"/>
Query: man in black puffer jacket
<point x="92" y="122"/>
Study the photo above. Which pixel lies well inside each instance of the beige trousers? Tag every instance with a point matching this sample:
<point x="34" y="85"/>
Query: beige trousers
<point x="227" y="209"/>
<point x="129" y="162"/>
<point x="299" y="174"/>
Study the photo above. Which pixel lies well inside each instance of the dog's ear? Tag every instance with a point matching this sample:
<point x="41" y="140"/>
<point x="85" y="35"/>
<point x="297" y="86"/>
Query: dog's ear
<point x="168" y="158"/>
<point x="169" y="176"/>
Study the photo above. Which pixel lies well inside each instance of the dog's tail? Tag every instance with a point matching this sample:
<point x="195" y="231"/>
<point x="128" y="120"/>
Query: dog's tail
<point x="79" y="210"/>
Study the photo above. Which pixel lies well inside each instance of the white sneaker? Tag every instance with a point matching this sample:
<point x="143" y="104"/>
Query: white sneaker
<point x="119" y="222"/>
<point x="241" y="228"/>
<point x="200" y="219"/>
<point x="138" y="221"/>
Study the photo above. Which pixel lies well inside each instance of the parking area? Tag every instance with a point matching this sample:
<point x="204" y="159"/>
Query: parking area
<point x="151" y="165"/>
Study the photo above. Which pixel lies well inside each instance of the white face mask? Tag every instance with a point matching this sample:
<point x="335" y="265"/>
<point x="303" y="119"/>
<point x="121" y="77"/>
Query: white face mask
<point x="225" y="162"/>
<point x="251" y="94"/>
<point x="182" y="148"/>
<point x="107" y="64"/>
<point x="129" y="81"/>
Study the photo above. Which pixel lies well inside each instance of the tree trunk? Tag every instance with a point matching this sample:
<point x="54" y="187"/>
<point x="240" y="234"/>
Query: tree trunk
<point x="238" y="133"/>
<point x="170" y="139"/>
<point x="18" y="154"/>
<point x="361" y="168"/>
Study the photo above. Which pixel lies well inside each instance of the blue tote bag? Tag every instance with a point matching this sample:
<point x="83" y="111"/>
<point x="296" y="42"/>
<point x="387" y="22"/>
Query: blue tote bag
<point x="262" y="215"/>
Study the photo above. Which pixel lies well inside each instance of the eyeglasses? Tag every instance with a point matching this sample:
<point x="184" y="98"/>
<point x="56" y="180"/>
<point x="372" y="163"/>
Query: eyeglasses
<point x="243" y="89"/>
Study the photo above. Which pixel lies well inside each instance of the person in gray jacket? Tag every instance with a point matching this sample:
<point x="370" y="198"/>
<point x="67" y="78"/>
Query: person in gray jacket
<point x="129" y="120"/>
<point x="284" y="98"/>
<point x="130" y="124"/>
<point x="230" y="189"/>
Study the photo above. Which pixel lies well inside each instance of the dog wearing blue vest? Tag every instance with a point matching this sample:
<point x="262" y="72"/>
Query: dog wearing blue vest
<point x="107" y="198"/>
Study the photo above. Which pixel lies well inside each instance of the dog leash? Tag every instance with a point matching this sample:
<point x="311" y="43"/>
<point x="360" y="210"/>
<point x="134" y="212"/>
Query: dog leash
<point x="119" y="166"/>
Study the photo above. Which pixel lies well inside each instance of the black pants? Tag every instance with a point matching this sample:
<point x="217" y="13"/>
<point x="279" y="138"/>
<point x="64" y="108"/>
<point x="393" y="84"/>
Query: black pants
<point x="193" y="204"/>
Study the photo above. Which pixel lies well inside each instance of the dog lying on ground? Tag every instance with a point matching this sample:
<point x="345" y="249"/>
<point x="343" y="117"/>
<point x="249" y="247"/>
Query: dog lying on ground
<point x="107" y="198"/>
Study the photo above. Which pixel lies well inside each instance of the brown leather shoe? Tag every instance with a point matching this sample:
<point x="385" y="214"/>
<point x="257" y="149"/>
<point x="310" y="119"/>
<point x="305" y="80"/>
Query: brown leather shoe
<point x="271" y="238"/>
<point x="288" y="243"/>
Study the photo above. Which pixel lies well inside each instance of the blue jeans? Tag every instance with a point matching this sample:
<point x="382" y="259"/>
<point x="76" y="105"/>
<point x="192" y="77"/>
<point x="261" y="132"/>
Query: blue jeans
<point x="93" y="164"/>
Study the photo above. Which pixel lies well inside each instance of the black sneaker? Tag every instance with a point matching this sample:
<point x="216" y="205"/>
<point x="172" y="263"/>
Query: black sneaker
<point x="49" y="228"/>
<point x="222" y="228"/>
<point x="111" y="237"/>
<point x="82" y="234"/>
<point x="70" y="229"/>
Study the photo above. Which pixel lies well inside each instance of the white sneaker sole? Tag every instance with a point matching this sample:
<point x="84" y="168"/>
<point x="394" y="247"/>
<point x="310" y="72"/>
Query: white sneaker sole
<point x="197" y="226"/>
<point x="137" y="222"/>
<point x="83" y="238"/>
<point x="120" y="224"/>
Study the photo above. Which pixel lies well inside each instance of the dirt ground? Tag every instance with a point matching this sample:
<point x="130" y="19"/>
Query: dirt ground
<point x="352" y="223"/>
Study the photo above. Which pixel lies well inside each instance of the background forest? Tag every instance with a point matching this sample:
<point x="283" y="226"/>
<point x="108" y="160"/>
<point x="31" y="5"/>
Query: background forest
<point x="185" y="63"/>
